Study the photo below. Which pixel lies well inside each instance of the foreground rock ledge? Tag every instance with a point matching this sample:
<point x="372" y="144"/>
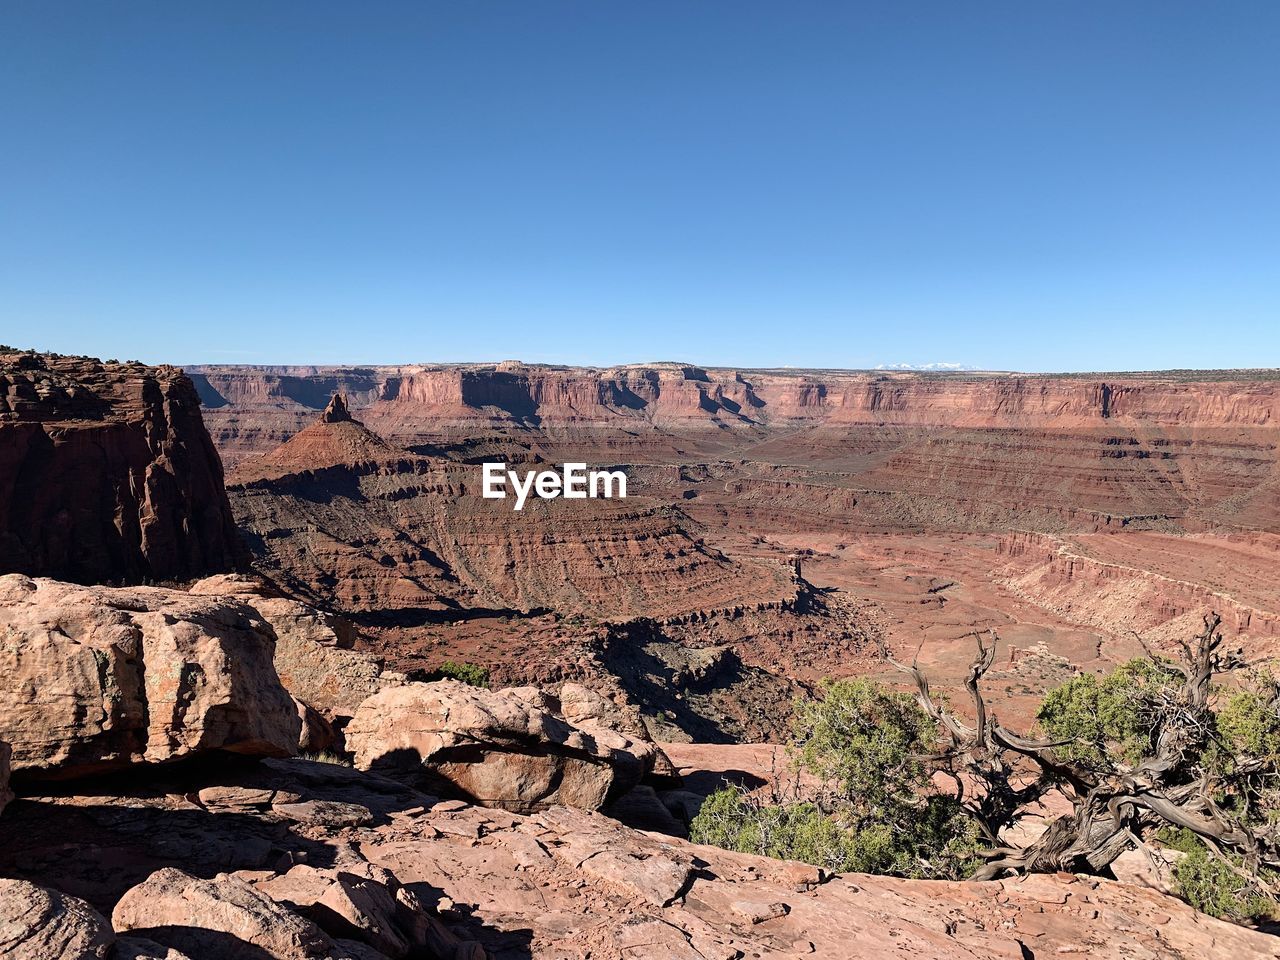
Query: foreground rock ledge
<point x="289" y="855"/>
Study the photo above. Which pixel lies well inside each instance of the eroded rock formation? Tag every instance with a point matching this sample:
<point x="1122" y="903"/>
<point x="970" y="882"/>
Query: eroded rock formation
<point x="339" y="516"/>
<point x="107" y="474"/>
<point x="219" y="919"/>
<point x="313" y="649"/>
<point x="500" y="748"/>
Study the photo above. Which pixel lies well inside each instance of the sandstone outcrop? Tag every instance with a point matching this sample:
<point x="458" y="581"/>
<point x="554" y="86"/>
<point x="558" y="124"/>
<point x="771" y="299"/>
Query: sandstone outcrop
<point x="561" y="884"/>
<point x="313" y="650"/>
<point x="107" y="474"/>
<point x="98" y="678"/>
<point x="500" y="748"/>
<point x="335" y="439"/>
<point x="40" y="924"/>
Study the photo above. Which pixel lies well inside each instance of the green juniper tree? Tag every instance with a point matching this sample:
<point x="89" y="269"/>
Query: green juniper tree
<point x="1156" y="754"/>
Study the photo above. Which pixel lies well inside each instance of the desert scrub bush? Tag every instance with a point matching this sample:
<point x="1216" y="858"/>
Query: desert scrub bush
<point x="868" y="743"/>
<point x="1155" y="746"/>
<point x="474" y="674"/>
<point x="326" y="756"/>
<point x="734" y="820"/>
<point x="1215" y="886"/>
<point x="1099" y="721"/>
<point x="1248" y="726"/>
<point x="942" y="842"/>
<point x="874" y="812"/>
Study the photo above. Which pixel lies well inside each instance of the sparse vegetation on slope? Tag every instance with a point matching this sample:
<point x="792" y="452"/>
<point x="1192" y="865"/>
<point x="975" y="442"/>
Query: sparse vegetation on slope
<point x="470" y="673"/>
<point x="1154" y="756"/>
<point x="873" y="811"/>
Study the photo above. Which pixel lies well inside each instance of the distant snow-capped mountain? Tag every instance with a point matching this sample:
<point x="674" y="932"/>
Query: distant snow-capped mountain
<point x="938" y="365"/>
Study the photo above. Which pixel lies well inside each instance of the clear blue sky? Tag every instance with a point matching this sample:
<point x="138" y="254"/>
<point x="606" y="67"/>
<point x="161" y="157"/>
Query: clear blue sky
<point x="1039" y="185"/>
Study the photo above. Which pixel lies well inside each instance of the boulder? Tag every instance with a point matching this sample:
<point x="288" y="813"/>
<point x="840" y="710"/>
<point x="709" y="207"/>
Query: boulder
<point x="230" y="584"/>
<point x="499" y="748"/>
<point x="317" y="734"/>
<point x="40" y="924"/>
<point x="344" y="905"/>
<point x="583" y="706"/>
<point x="367" y="905"/>
<point x="219" y="919"/>
<point x="591" y="710"/>
<point x="313" y="649"/>
<point x="97" y="678"/>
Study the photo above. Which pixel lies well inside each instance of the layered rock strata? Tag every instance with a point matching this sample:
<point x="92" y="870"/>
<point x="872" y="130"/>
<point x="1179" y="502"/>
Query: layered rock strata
<point x="107" y="474"/>
<point x="874" y="450"/>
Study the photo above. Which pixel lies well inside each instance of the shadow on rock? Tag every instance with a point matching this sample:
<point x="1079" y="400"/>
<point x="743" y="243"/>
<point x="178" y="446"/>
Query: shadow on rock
<point x="112" y="832"/>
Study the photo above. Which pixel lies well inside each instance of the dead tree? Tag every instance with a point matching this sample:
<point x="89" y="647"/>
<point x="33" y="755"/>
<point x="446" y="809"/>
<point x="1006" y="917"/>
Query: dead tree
<point x="1119" y="808"/>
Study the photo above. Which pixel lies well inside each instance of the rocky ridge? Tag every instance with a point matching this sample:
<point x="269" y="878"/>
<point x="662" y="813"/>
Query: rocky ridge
<point x="107" y="474"/>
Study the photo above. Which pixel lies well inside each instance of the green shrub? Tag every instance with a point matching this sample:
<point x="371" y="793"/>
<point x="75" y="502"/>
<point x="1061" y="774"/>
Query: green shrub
<point x="1108" y="718"/>
<point x="1248" y="726"/>
<point x="471" y="673"/>
<point x="941" y="842"/>
<point x="877" y="814"/>
<point x="868" y="742"/>
<point x="327" y="756"/>
<point x="1213" y="887"/>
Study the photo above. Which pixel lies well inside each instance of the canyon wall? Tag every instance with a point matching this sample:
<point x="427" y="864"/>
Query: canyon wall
<point x="341" y="516"/>
<point x="873" y="450"/>
<point x="1066" y="578"/>
<point x="540" y="393"/>
<point x="107" y="474"/>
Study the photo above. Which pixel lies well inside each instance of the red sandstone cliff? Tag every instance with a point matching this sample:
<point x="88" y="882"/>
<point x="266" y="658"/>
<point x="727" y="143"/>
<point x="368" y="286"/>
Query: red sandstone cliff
<point x="107" y="473"/>
<point x="1186" y="451"/>
<point x="619" y="394"/>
